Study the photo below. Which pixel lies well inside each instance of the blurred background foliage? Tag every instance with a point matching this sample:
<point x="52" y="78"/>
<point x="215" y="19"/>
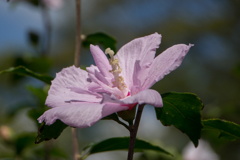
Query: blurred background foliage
<point x="211" y="69"/>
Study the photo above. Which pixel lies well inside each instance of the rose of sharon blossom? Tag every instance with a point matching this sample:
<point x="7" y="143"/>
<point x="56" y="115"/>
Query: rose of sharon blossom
<point x="80" y="98"/>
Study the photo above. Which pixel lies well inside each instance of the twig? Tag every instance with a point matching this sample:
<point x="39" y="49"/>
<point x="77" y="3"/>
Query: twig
<point x="78" y="35"/>
<point x="76" y="63"/>
<point x="76" y="156"/>
<point x="133" y="132"/>
<point x="120" y="122"/>
<point x="48" y="30"/>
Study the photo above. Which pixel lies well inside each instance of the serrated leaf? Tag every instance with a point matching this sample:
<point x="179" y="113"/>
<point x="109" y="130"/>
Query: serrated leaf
<point x="122" y="143"/>
<point x="53" y="131"/>
<point x="100" y="38"/>
<point x="182" y="110"/>
<point x="228" y="130"/>
<point x="21" y="70"/>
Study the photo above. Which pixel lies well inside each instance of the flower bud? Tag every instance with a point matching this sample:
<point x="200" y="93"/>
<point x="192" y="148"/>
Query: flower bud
<point x="128" y="115"/>
<point x="6" y="133"/>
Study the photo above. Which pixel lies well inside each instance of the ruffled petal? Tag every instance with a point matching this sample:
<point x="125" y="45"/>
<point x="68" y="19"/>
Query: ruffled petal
<point x="164" y="63"/>
<point x="75" y="114"/>
<point x="92" y="69"/>
<point x="142" y="49"/>
<point x="147" y="96"/>
<point x="70" y="85"/>
<point x="101" y="61"/>
<point x="105" y="87"/>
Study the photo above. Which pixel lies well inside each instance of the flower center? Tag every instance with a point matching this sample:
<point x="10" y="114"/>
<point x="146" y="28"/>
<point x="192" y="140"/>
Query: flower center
<point x="116" y="70"/>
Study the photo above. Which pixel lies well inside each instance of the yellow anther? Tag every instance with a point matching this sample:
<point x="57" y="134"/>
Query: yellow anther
<point x="116" y="70"/>
<point x="110" y="52"/>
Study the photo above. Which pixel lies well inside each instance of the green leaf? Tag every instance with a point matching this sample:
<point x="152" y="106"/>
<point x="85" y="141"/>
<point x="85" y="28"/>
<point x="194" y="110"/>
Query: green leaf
<point x="111" y="117"/>
<point x="122" y="143"/>
<point x="39" y="93"/>
<point x="21" y="70"/>
<point x="46" y="132"/>
<point x="182" y="110"/>
<point x="100" y="38"/>
<point x="228" y="130"/>
<point x="34" y="114"/>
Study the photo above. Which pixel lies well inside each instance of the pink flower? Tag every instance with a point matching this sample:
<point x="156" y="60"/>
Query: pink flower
<point x="80" y="98"/>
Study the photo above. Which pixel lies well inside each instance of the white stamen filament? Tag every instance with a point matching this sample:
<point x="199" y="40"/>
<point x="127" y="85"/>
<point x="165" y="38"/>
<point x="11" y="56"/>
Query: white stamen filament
<point x="116" y="70"/>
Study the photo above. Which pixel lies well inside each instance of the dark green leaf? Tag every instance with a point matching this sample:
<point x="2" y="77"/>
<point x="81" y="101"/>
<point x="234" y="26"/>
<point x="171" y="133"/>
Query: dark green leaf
<point x="46" y="132"/>
<point x="100" y="38"/>
<point x="122" y="143"/>
<point x="227" y="129"/>
<point x="183" y="111"/>
<point x="111" y="117"/>
<point x="39" y="93"/>
<point x="21" y="70"/>
<point x="34" y="114"/>
<point x="37" y="64"/>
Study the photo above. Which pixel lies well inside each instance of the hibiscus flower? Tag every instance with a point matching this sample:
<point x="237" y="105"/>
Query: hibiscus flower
<point x="80" y="98"/>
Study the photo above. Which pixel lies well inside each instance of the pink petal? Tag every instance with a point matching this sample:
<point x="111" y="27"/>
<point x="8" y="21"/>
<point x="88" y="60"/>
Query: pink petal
<point x="92" y="69"/>
<point x="136" y="82"/>
<point x="75" y="114"/>
<point x="80" y="114"/>
<point x="110" y="108"/>
<point x="142" y="49"/>
<point x="70" y="84"/>
<point x="101" y="78"/>
<point x="147" y="96"/>
<point x="164" y="63"/>
<point x="105" y="87"/>
<point x="101" y="61"/>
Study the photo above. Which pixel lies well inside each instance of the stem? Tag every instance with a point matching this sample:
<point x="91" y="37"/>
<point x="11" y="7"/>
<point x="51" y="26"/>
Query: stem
<point x="120" y="122"/>
<point x="78" y="35"/>
<point x="48" y="147"/>
<point x="76" y="63"/>
<point x="48" y="29"/>
<point x="133" y="132"/>
<point x="76" y="156"/>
